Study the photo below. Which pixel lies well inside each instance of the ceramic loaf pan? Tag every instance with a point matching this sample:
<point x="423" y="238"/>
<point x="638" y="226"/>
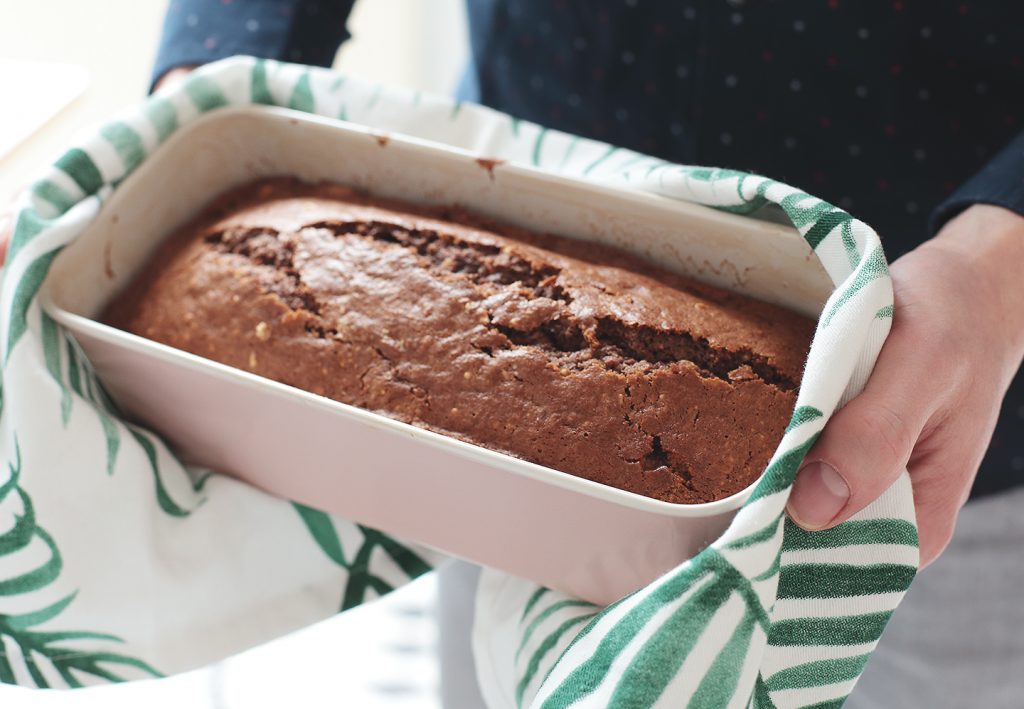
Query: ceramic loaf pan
<point x="564" y="532"/>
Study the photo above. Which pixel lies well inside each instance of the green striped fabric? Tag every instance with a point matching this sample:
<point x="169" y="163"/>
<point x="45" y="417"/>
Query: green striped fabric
<point x="118" y="562"/>
<point x="769" y="615"/>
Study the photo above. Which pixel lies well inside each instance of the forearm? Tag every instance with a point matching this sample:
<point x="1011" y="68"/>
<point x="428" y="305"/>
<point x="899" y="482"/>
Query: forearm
<point x="982" y="224"/>
<point x="1000" y="182"/>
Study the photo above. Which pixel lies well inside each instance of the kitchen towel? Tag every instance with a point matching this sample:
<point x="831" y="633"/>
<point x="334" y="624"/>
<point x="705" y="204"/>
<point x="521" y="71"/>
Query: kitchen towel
<point x="117" y="562"/>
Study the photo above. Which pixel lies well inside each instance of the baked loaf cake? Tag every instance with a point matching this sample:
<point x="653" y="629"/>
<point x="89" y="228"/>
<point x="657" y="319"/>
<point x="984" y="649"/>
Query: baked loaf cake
<point x="569" y="354"/>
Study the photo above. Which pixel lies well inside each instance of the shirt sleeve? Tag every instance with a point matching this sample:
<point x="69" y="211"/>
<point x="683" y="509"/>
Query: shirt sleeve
<point x="999" y="182"/>
<point x="201" y="31"/>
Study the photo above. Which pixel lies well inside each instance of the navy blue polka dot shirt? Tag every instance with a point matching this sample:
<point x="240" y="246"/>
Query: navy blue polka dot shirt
<point x="904" y="112"/>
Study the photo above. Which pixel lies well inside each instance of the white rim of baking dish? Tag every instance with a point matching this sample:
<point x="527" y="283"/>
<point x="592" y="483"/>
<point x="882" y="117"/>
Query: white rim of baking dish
<point x="502" y="461"/>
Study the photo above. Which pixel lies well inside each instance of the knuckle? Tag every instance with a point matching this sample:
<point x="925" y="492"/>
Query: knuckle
<point x="934" y="344"/>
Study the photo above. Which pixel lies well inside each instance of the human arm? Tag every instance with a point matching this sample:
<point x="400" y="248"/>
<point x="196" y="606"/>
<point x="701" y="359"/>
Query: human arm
<point x="196" y="32"/>
<point x="933" y="398"/>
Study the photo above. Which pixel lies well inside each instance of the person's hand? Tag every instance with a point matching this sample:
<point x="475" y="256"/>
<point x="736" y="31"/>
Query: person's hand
<point x="6" y="227"/>
<point x="931" y="403"/>
<point x="172" y="77"/>
<point x="7" y="216"/>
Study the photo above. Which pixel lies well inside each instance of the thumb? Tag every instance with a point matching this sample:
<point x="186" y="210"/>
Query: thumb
<point x="863" y="449"/>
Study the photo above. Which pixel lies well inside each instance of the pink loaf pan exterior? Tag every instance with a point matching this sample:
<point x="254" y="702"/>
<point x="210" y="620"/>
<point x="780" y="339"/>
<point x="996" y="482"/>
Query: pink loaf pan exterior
<point x="586" y="539"/>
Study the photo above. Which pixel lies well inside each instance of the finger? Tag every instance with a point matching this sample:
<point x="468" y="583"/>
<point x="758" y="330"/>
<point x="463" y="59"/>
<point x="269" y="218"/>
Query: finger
<point x="6" y="227"/>
<point x="944" y="466"/>
<point x="867" y="443"/>
<point x="173" y="77"/>
<point x="937" y="508"/>
<point x="8" y="213"/>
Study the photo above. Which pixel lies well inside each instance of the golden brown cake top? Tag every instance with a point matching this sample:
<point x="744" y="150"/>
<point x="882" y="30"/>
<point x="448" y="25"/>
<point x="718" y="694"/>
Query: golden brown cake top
<point x="624" y="299"/>
<point x="567" y="353"/>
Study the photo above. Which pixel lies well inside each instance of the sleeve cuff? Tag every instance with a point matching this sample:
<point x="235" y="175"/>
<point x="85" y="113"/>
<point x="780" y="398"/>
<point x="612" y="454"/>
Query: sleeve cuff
<point x="198" y="32"/>
<point x="1000" y="182"/>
